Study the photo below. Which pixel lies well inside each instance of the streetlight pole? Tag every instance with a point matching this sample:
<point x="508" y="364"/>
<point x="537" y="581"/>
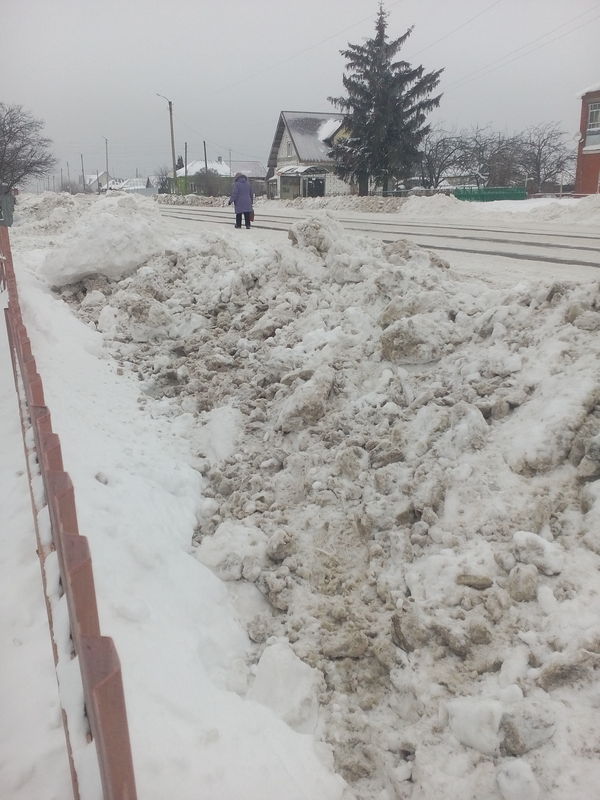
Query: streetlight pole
<point x="106" y="146"/>
<point x="170" y="102"/>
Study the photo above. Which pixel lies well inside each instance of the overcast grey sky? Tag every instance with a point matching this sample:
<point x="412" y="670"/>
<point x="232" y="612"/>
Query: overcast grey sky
<point x="91" y="68"/>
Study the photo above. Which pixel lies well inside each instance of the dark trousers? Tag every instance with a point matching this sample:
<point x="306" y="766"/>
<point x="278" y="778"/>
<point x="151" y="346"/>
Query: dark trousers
<point x="238" y="219"/>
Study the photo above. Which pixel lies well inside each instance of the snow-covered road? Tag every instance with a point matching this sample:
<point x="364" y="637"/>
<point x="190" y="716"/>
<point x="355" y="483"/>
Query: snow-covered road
<point x="558" y="250"/>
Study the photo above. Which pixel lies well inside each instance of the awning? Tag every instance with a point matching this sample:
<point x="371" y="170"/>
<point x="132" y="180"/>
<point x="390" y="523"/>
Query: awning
<point x="301" y="169"/>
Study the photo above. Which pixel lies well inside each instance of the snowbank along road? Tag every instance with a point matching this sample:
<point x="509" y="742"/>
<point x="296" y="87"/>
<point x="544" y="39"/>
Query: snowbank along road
<point x="546" y="244"/>
<point x="400" y="472"/>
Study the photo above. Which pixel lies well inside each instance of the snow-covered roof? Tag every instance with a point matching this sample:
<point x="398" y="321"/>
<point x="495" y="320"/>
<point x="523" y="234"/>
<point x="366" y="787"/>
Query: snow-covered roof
<point x="300" y="169"/>
<point x="199" y="166"/>
<point x="328" y="128"/>
<point x="252" y="169"/>
<point x="309" y="131"/>
<point x="92" y="178"/>
<point x="134" y="184"/>
<point x="593" y="88"/>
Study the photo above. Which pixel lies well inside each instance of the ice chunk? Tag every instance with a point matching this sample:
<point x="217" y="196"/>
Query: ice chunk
<point x="475" y="722"/>
<point x="516" y="781"/>
<point x="530" y="548"/>
<point x="288" y="686"/>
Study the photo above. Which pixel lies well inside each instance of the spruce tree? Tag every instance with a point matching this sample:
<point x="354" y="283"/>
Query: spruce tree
<point x="385" y="111"/>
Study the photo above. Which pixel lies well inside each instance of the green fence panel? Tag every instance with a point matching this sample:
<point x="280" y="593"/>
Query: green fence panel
<point x="485" y="194"/>
<point x="7" y="203"/>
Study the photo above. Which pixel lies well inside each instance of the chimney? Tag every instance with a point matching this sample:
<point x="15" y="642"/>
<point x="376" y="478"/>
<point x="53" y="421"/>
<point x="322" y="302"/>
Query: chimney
<point x="220" y="159"/>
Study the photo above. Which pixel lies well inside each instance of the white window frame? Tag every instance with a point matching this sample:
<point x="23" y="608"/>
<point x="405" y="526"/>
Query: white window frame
<point x="593" y="118"/>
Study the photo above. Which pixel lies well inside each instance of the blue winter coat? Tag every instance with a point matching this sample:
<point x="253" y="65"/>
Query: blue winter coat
<point x="242" y="194"/>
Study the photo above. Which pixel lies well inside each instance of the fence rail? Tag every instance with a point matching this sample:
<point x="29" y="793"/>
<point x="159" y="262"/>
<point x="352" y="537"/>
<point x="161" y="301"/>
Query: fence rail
<point x="98" y="660"/>
<point x="485" y="194"/>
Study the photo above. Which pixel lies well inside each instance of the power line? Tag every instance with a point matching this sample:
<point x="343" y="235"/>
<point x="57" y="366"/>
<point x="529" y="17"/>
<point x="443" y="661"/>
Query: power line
<point x="318" y="44"/>
<point x="505" y="59"/>
<point x="272" y="66"/>
<point x="216" y="144"/>
<point x="458" y="28"/>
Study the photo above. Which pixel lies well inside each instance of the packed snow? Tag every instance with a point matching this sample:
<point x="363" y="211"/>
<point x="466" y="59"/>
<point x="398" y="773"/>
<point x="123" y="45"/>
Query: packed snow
<point x="343" y="503"/>
<point x="442" y="208"/>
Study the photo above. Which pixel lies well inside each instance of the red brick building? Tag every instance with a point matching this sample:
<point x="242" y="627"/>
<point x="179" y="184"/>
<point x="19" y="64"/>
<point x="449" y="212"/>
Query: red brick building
<point x="587" y="178"/>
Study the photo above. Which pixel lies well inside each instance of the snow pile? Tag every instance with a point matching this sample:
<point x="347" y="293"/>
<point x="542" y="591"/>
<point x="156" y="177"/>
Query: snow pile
<point x="48" y="212"/>
<point x="347" y="202"/>
<point x="411" y="503"/>
<point x="191" y="200"/>
<point x="185" y="657"/>
<point x="438" y="207"/>
<point x="446" y="208"/>
<point x="584" y="210"/>
<point x="113" y="237"/>
<point x="401" y="490"/>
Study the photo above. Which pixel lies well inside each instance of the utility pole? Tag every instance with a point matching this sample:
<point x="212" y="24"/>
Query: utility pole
<point x="106" y="146"/>
<point x="230" y="173"/>
<point x="185" y="165"/>
<point x="69" y="178"/>
<point x="82" y="174"/>
<point x="61" y="180"/>
<point x="205" y="161"/>
<point x="170" y="102"/>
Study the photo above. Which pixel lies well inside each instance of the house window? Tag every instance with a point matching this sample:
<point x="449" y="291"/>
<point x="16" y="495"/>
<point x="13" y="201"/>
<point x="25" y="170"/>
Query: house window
<point x="592" y="134"/>
<point x="289" y="148"/>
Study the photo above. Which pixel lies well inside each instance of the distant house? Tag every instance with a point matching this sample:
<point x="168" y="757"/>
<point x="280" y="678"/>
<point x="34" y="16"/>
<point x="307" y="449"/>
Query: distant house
<point x="95" y="182"/>
<point x="587" y="176"/>
<point x="146" y="186"/>
<point x="226" y="170"/>
<point x="299" y="164"/>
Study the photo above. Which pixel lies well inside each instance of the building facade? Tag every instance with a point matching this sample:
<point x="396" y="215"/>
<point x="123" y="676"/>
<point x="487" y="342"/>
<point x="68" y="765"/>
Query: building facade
<point x="299" y="163"/>
<point x="587" y="176"/>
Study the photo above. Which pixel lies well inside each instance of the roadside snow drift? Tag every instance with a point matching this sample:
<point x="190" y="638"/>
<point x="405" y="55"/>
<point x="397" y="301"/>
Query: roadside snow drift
<point x="400" y="489"/>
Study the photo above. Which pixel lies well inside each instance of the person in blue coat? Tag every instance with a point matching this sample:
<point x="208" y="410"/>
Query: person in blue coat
<point x="242" y="197"/>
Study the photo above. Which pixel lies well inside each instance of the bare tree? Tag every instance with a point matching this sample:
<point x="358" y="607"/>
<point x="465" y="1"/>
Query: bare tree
<point x="504" y="163"/>
<point x="545" y="156"/>
<point x="477" y="148"/>
<point x="538" y="157"/>
<point x="441" y="155"/>
<point x="490" y="158"/>
<point x="163" y="174"/>
<point x="24" y="152"/>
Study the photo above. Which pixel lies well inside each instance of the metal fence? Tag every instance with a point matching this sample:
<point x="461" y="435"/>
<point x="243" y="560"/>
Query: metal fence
<point x="485" y="194"/>
<point x="98" y="661"/>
